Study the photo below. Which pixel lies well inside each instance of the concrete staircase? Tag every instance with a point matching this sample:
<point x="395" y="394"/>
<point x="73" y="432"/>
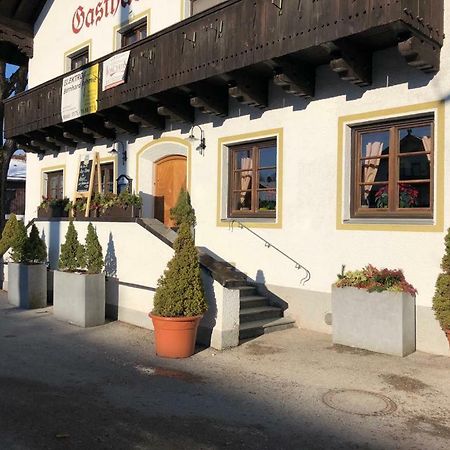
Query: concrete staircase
<point x="257" y="316"/>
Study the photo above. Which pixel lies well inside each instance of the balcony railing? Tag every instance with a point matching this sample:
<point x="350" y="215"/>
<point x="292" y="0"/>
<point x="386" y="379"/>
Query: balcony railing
<point x="234" y="49"/>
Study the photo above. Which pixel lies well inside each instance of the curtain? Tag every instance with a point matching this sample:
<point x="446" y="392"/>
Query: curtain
<point x="246" y="176"/>
<point x="427" y="145"/>
<point x="373" y="150"/>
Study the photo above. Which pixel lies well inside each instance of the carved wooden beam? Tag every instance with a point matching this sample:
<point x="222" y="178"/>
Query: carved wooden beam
<point x="74" y="131"/>
<point x="421" y="54"/>
<point x="145" y="113"/>
<point x="39" y="139"/>
<point x="209" y="99"/>
<point x="117" y="118"/>
<point x="249" y="89"/>
<point x="55" y="136"/>
<point x="176" y="107"/>
<point x="95" y="125"/>
<point x="294" y="78"/>
<point x="20" y="35"/>
<point x="25" y="144"/>
<point x="350" y="63"/>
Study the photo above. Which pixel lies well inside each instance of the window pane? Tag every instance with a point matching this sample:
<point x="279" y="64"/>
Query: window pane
<point x="374" y="144"/>
<point x="267" y="178"/>
<point x="242" y="201"/>
<point x="414" y="195"/>
<point x="415" y="139"/>
<point x="268" y="157"/>
<point x="243" y="180"/>
<point x="415" y="167"/>
<point x="375" y="196"/>
<point x="373" y="170"/>
<point x="243" y="159"/>
<point x="267" y="200"/>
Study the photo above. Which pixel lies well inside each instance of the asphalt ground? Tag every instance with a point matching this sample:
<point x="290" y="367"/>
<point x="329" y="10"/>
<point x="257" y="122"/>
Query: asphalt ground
<point x="63" y="387"/>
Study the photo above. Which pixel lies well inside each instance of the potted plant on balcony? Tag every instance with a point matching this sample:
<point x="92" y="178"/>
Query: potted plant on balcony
<point x="441" y="299"/>
<point x="374" y="309"/>
<point x="27" y="273"/>
<point x="53" y="208"/>
<point x="79" y="284"/>
<point x="179" y="302"/>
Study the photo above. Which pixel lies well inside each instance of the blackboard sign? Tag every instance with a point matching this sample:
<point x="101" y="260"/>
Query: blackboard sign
<point x="84" y="176"/>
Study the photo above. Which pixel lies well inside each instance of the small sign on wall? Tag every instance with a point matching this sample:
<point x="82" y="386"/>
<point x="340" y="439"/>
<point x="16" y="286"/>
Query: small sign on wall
<point x="115" y="70"/>
<point x="80" y="93"/>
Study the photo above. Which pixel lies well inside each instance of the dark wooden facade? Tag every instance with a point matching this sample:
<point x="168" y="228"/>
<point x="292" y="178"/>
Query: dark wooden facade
<point x="234" y="49"/>
<point x="17" y="18"/>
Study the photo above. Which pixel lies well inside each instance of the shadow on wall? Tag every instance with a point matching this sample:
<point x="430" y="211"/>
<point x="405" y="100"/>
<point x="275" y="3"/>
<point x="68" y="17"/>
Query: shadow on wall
<point x="112" y="282"/>
<point x="148" y="205"/>
<point x="260" y="280"/>
<point x="53" y="243"/>
<point x="209" y="320"/>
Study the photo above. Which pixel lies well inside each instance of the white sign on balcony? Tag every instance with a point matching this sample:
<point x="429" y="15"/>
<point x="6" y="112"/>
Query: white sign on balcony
<point x="115" y="70"/>
<point x="80" y="93"/>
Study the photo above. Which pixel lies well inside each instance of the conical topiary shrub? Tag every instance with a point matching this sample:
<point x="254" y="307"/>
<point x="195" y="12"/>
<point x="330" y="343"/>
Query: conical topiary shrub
<point x="441" y="299"/>
<point x="9" y="233"/>
<point x="35" y="250"/>
<point x="18" y="243"/>
<point x="72" y="256"/>
<point x="93" y="251"/>
<point x="180" y="289"/>
<point x="183" y="211"/>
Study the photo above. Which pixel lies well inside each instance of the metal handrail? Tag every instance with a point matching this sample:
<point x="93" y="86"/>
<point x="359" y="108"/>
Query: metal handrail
<point x="298" y="266"/>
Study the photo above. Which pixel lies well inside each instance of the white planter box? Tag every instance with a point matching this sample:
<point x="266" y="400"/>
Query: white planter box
<point x="383" y="322"/>
<point x="27" y="285"/>
<point x="79" y="298"/>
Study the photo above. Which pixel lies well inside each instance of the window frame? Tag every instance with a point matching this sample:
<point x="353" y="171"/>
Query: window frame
<point x="392" y="126"/>
<point x="231" y="191"/>
<point x="84" y="51"/>
<point x="111" y="182"/>
<point x="48" y="175"/>
<point x="132" y="28"/>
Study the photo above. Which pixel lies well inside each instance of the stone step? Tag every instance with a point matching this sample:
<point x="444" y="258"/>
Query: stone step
<point x="253" y="329"/>
<point x="253" y="301"/>
<point x="246" y="291"/>
<point x="259" y="313"/>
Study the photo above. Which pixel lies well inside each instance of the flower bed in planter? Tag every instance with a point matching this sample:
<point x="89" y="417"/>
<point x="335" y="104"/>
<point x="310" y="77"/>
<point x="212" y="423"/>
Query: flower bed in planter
<point x="124" y="205"/>
<point x="50" y="209"/>
<point x="374" y="310"/>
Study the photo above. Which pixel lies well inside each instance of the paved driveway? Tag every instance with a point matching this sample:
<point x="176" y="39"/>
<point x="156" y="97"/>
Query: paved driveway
<point x="62" y="387"/>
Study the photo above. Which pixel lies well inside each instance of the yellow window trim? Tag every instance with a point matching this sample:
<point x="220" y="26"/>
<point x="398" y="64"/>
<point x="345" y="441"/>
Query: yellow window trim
<point x="70" y="52"/>
<point x="116" y="30"/>
<point x="439" y="117"/>
<point x="171" y="140"/>
<point x="50" y="169"/>
<point x="236" y="139"/>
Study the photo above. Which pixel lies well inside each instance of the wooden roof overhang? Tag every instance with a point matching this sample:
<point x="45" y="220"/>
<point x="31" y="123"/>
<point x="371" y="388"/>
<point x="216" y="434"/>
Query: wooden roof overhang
<point x="234" y="50"/>
<point x="17" y="18"/>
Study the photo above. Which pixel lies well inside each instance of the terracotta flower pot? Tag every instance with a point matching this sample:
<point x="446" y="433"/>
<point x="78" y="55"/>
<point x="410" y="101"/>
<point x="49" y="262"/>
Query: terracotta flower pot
<point x="175" y="336"/>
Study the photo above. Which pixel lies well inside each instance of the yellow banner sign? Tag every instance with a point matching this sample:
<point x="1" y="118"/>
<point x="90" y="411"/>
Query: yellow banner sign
<point x="80" y="93"/>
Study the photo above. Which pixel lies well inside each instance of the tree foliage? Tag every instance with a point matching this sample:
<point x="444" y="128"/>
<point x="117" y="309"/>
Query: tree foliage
<point x="441" y="299"/>
<point x="180" y="289"/>
<point x="18" y="245"/>
<point x="183" y="212"/>
<point x="93" y="251"/>
<point x="8" y="234"/>
<point x="35" y="250"/>
<point x="72" y="256"/>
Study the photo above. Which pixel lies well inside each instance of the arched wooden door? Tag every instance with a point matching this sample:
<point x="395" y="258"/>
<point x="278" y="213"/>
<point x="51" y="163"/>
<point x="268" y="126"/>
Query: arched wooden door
<point x="170" y="177"/>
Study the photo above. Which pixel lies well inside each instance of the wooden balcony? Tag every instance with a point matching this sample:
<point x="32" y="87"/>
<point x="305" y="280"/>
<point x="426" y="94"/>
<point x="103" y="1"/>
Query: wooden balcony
<point x="234" y="49"/>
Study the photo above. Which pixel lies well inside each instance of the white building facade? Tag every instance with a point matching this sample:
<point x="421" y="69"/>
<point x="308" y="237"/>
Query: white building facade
<point x="325" y="167"/>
